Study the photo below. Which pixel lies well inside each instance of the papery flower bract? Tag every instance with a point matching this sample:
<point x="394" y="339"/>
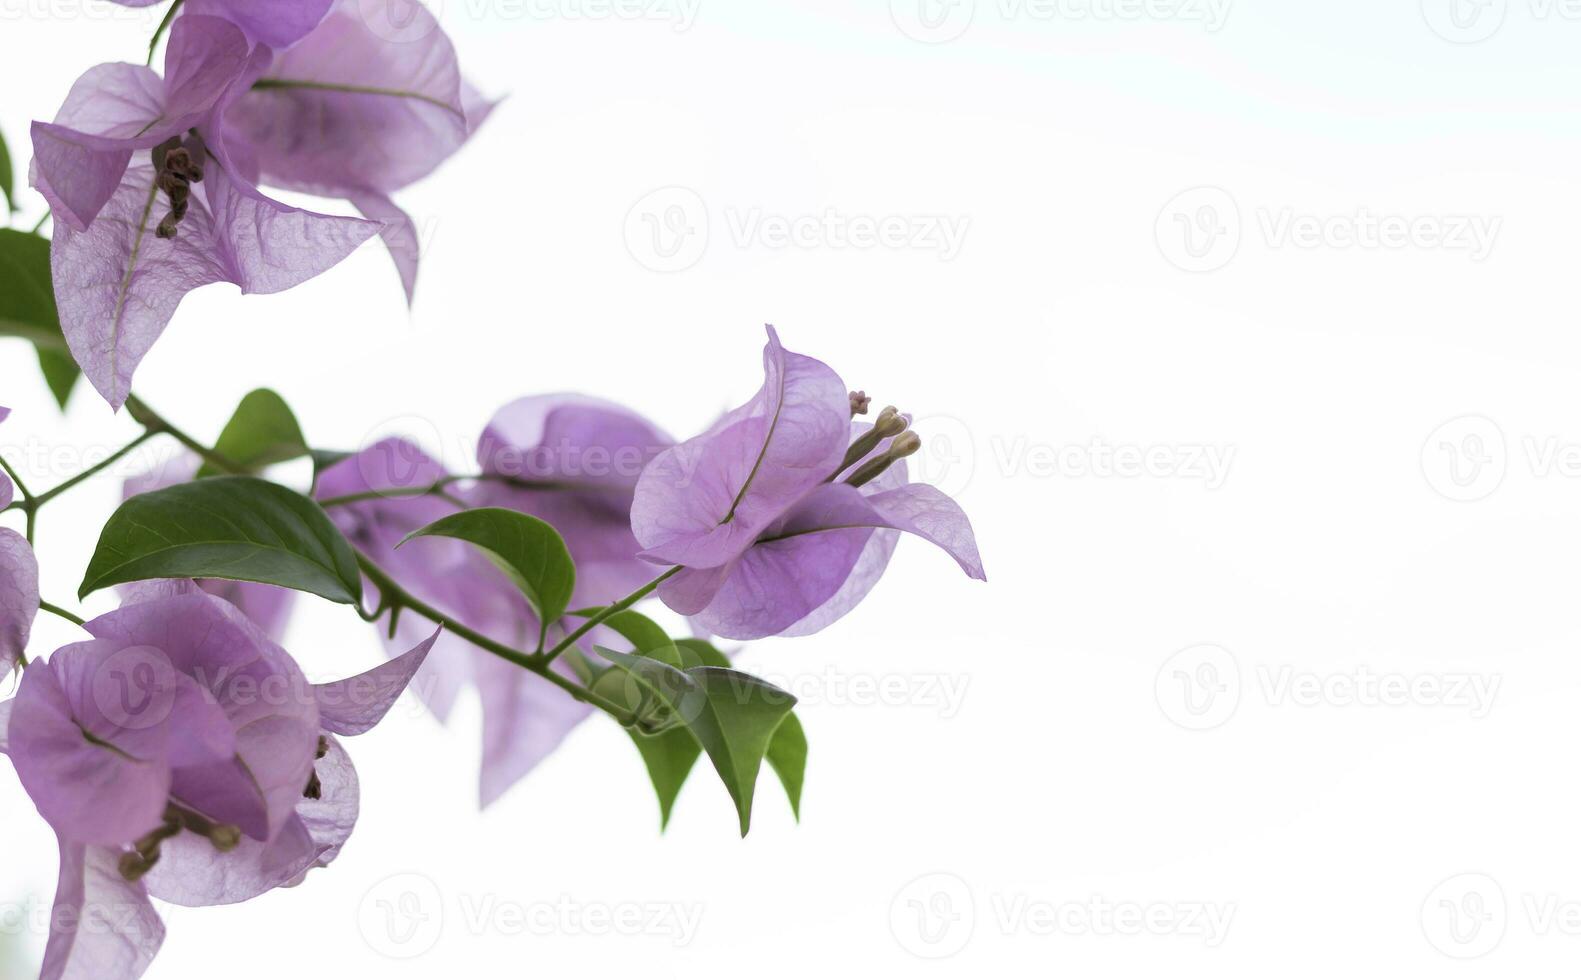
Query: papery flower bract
<point x="572" y="462"/>
<point x="443" y="572"/>
<point x="568" y="460"/>
<point x="348" y="112"/>
<point x="181" y="754"/>
<point x="342" y="111"/>
<point x="18" y="583"/>
<point x="118" y="280"/>
<point x="269" y="606"/>
<point x="758" y="509"/>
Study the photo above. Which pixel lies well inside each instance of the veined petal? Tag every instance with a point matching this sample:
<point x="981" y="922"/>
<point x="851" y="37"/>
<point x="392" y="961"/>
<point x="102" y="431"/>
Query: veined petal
<point x="191" y="873"/>
<point x="5" y="726"/>
<point x="355" y="705"/>
<point x="524" y="720"/>
<point x="398" y="231"/>
<point x="117" y="284"/>
<point x="114" y="110"/>
<point x="348" y="108"/>
<point x="705" y="501"/>
<point x="268" y="247"/>
<point x="18" y="596"/>
<point x="88" y="791"/>
<point x="265" y="696"/>
<point x="103" y="927"/>
<point x="818" y="562"/>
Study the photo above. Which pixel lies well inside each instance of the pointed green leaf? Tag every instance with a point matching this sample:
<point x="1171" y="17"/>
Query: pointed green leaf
<point x="788" y="758"/>
<point x="734" y="716"/>
<point x="7" y="177"/>
<point x="670" y="757"/>
<point x="232" y="527"/>
<point x="646" y="637"/>
<point x="529" y="550"/>
<point x="740" y="719"/>
<point x="27" y="303"/>
<point x="60" y="373"/>
<point x="260" y="433"/>
<point x="27" y="308"/>
<point x="701" y="653"/>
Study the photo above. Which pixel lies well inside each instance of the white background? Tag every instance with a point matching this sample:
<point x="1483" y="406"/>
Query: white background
<point x="1071" y="778"/>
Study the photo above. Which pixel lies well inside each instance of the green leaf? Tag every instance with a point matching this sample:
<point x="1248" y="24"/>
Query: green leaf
<point x="60" y="373"/>
<point x="736" y="728"/>
<point x="233" y="527"/>
<point x="323" y="459"/>
<point x="788" y="758"/>
<point x="733" y="716"/>
<point x="670" y="757"/>
<point x="27" y="308"/>
<point x="27" y="304"/>
<point x="701" y="653"/>
<point x="260" y="433"/>
<point x="527" y="548"/>
<point x="646" y="637"/>
<point x="7" y="177"/>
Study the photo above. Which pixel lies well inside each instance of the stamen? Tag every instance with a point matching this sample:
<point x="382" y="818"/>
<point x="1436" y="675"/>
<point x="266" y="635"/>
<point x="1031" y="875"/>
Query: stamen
<point x="859" y="403"/>
<point x="889" y="423"/>
<point x="177" y="168"/>
<point x="315" y="789"/>
<point x="136" y="863"/>
<point x="904" y="445"/>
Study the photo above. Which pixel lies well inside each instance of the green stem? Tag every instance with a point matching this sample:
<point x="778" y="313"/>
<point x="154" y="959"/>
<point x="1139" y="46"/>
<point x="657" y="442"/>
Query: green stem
<point x="155" y="423"/>
<point x="159" y="31"/>
<point x="438" y="486"/>
<point x="605" y="613"/>
<point x="65" y="614"/>
<point x="392" y="595"/>
<point x="91" y="471"/>
<point x="26" y="503"/>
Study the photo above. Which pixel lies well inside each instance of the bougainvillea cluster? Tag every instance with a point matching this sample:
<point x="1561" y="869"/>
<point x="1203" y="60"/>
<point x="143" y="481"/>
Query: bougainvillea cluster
<point x="177" y="750"/>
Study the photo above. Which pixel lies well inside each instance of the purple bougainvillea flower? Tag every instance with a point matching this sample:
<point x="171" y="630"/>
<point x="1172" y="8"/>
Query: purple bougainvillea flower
<point x="181" y="754"/>
<point x="442" y="572"/>
<point x="154" y="180"/>
<point x="357" y="112"/>
<point x="268" y="606"/>
<point x="568" y="460"/>
<point x="18" y="583"/>
<point x="121" y="261"/>
<point x="572" y="462"/>
<point x="18" y="596"/>
<point x="783" y="516"/>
